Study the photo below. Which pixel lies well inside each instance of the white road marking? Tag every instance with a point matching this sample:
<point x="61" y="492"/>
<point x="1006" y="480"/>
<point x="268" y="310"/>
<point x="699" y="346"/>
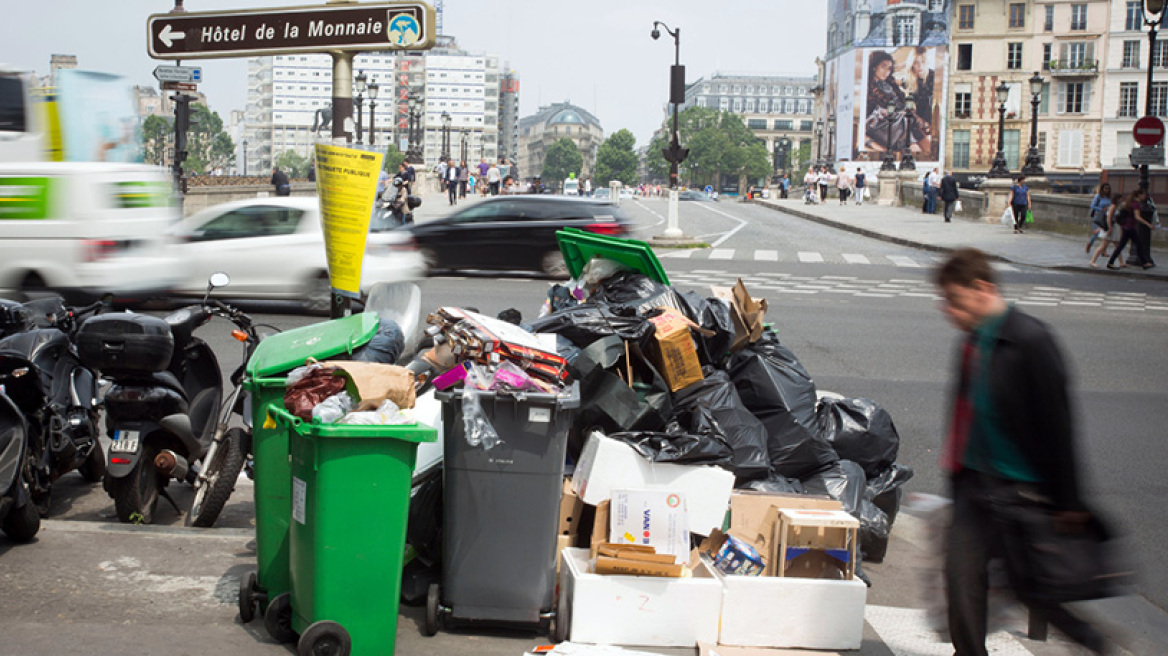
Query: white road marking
<point x="1002" y="266"/>
<point x="722" y="254"/>
<point x="856" y="258"/>
<point x="902" y="261"/>
<point x="680" y="254"/>
<point x="741" y="224"/>
<point x="805" y="256"/>
<point x="766" y="256"/>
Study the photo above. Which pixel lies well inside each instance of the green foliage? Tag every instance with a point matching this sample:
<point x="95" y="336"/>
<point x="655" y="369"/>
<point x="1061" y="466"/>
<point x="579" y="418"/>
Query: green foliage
<point x="292" y="163"/>
<point x="156" y="138"/>
<point x="616" y="159"/>
<point x="719" y="144"/>
<point x="563" y="158"/>
<point x="800" y="163"/>
<point x="393" y="158"/>
<point x="208" y="145"/>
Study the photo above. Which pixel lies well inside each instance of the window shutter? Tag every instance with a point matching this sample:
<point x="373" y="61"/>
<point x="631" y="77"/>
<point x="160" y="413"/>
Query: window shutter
<point x="1064" y="148"/>
<point x="1090" y="51"/>
<point x="1061" y="105"/>
<point x="1087" y="97"/>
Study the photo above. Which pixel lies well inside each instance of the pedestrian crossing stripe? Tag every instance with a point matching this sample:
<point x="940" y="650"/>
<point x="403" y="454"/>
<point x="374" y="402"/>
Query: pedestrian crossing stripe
<point x="811" y="257"/>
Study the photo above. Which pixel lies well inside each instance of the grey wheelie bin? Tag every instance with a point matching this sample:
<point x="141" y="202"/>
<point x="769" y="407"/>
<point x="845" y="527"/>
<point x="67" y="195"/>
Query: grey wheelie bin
<point x="501" y="511"/>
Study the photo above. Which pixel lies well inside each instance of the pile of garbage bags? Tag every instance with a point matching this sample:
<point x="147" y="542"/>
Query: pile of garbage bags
<point x="747" y="404"/>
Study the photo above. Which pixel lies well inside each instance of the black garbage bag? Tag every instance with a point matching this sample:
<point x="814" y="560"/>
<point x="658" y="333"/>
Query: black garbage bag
<point x="861" y="431"/>
<point x="634" y="291"/>
<point x="677" y="446"/>
<point x="585" y="324"/>
<point x="845" y="482"/>
<point x="385" y="347"/>
<point x="794" y="451"/>
<point x="776" y="484"/>
<point x="887" y="491"/>
<point x="560" y="298"/>
<point x="770" y="378"/>
<point x="712" y="407"/>
<point x="713" y="315"/>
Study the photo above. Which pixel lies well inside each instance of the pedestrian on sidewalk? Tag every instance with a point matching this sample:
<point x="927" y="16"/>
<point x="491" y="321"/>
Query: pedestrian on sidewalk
<point x="843" y="186"/>
<point x="784" y="185"/>
<point x="823" y="179"/>
<point x="810" y="184"/>
<point x="1098" y="214"/>
<point x="1143" y="255"/>
<point x="1019" y="203"/>
<point x="949" y="194"/>
<point x="1129" y="215"/>
<point x="929" y="188"/>
<point x="451" y="178"/>
<point x="494" y="177"/>
<point x="861" y="185"/>
<point x="1010" y="456"/>
<point x="280" y="182"/>
<point x="1114" y="231"/>
<point x="463" y="179"/>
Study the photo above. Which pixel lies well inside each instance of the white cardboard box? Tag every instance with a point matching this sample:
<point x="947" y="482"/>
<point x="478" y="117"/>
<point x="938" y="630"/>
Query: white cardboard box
<point x="638" y="611"/>
<point x="650" y="516"/>
<point x="768" y="611"/>
<point x="607" y="464"/>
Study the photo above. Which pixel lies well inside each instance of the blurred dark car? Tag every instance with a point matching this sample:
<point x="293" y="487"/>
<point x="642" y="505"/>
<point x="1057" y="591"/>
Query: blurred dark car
<point x="693" y="194"/>
<point x="513" y="233"/>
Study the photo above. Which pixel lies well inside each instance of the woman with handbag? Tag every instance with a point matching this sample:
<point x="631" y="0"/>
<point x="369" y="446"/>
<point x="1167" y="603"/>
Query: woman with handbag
<point x="1113" y="232"/>
<point x="1129" y="216"/>
<point x="1098" y="212"/>
<point x="1020" y="203"/>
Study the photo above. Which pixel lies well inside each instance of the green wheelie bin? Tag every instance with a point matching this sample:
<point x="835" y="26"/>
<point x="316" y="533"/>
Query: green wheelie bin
<point x="350" y="504"/>
<point x="266" y="371"/>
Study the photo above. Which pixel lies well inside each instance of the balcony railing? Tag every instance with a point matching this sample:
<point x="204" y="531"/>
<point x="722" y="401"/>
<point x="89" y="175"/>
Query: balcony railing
<point x="1074" y="67"/>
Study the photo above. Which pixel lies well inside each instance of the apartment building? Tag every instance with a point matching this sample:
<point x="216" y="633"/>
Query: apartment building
<point x="1125" y="85"/>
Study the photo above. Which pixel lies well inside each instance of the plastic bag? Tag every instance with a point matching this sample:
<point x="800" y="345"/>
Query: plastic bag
<point x="886" y="490"/>
<point x="770" y="378"/>
<point x="957" y="207"/>
<point x="476" y="425"/>
<point x="385" y="347"/>
<point x="713" y="315"/>
<point x="712" y="409"/>
<point x="599" y="269"/>
<point x="777" y="484"/>
<point x="1029" y="218"/>
<point x="387" y="414"/>
<point x="1008" y="217"/>
<point x="635" y="291"/>
<point x="510" y="377"/>
<point x="861" y="431"/>
<point x="332" y="409"/>
<point x="679" y="447"/>
<point x="608" y="402"/>
<point x="311" y="387"/>
<point x="585" y="324"/>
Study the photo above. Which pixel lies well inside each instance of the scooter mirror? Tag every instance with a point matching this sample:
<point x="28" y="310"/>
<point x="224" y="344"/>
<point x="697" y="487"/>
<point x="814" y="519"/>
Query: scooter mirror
<point x="220" y="279"/>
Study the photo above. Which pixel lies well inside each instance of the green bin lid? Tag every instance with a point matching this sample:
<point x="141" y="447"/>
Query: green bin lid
<point x="580" y="246"/>
<point x="285" y="351"/>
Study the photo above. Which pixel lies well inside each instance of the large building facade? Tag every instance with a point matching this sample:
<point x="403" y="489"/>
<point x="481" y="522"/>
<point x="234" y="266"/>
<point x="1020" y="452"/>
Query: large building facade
<point x="550" y="124"/>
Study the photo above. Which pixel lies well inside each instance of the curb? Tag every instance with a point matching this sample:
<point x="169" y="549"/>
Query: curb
<point x="942" y="249"/>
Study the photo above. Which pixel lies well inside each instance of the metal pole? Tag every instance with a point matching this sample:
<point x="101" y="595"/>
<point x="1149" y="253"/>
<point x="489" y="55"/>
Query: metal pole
<point x="1148" y="97"/>
<point x="342" y="134"/>
<point x="372" y="123"/>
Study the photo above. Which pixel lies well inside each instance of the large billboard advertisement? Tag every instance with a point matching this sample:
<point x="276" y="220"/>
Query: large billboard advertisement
<point x="98" y="119"/>
<point x="902" y="103"/>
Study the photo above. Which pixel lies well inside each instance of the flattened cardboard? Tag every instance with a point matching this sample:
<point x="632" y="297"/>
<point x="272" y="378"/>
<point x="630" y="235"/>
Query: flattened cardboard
<point x="625" y="567"/>
<point x="571" y="508"/>
<point x="650" y="516"/>
<point x="674" y="352"/>
<point x="600" y="526"/>
<point x="747" y="314"/>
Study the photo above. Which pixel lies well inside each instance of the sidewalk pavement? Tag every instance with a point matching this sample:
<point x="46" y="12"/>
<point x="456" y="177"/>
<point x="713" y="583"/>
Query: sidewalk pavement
<point x="910" y="227"/>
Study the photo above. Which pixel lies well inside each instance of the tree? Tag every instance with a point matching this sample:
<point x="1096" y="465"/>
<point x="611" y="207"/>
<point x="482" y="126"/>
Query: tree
<point x="563" y="158"/>
<point x="292" y="163"/>
<point x="802" y="162"/>
<point x="616" y="159"/>
<point x="208" y="146"/>
<point x="156" y="138"/>
<point x="393" y="158"/>
<point x="719" y="144"/>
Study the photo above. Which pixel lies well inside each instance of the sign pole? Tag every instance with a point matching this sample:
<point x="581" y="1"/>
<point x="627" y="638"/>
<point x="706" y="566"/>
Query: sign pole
<point x="342" y="135"/>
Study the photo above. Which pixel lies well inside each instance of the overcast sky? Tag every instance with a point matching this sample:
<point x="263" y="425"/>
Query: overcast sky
<point x="597" y="54"/>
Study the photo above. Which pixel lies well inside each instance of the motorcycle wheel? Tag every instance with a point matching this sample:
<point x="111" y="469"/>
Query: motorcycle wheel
<point x="136" y="495"/>
<point x="21" y="524"/>
<point x="221" y="476"/>
<point x="94" y="466"/>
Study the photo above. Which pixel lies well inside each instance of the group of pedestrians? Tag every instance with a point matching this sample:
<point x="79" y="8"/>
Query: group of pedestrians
<point x="1118" y="220"/>
<point x="486" y="178"/>
<point x="817" y="181"/>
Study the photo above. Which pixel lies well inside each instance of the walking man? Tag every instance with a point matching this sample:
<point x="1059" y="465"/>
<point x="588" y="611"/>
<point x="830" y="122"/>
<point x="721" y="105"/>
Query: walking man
<point x="1010" y="456"/>
<point x="450" y="176"/>
<point x="861" y="185"/>
<point x="949" y="194"/>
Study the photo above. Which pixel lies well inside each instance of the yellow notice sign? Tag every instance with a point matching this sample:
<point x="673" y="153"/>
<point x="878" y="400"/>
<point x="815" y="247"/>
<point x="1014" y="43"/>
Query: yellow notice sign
<point x="346" y="182"/>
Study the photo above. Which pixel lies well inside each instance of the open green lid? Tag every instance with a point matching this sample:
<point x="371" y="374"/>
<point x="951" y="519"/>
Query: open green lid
<point x="580" y="246"/>
<point x="285" y="351"/>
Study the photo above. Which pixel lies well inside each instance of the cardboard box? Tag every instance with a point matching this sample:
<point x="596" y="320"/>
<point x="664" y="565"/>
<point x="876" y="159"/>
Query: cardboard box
<point x="754" y="518"/>
<point x="571" y="507"/>
<point x="627" y="566"/>
<point x="639" y="610"/>
<point x="562" y="542"/>
<point x="829" y="538"/>
<point x="607" y="464"/>
<point x="674" y="352"/>
<point x="762" y="611"/>
<point x="655" y="517"/>
<point x="747" y="314"/>
<point x="600" y="527"/>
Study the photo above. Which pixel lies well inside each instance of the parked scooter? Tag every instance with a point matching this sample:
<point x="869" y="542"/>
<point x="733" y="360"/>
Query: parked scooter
<point x="163" y="406"/>
<point x="42" y="376"/>
<point x="19" y="518"/>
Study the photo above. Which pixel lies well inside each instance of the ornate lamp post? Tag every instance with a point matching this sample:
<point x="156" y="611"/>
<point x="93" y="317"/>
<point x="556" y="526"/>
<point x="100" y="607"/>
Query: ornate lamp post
<point x="445" y="136"/>
<point x="359" y="87"/>
<point x="373" y="87"/>
<point x="1000" y="168"/>
<point x="907" y="163"/>
<point x="464" y="146"/>
<point x="830" y="139"/>
<point x="889" y="163"/>
<point x="1033" y="166"/>
<point x="412" y="154"/>
<point x="818" y="142"/>
<point x="1153" y="11"/>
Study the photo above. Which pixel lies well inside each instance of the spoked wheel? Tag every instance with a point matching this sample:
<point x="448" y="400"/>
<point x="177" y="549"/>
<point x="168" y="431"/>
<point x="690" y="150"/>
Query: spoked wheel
<point x="136" y="495"/>
<point x="222" y="472"/>
<point x="318" y="295"/>
<point x="324" y="638"/>
<point x="248" y="597"/>
<point x="278" y="619"/>
<point x="433" y="617"/>
<point x="553" y="265"/>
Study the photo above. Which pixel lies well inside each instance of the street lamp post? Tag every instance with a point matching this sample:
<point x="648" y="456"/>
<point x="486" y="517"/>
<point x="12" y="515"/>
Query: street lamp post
<point x="830" y="139"/>
<point x="245" y="157"/>
<point x="1000" y="168"/>
<point x="1153" y="11"/>
<point x="907" y="163"/>
<point x="359" y="86"/>
<point x="464" y="146"/>
<point x="412" y="130"/>
<point x="1033" y="166"/>
<point x="674" y="154"/>
<point x="445" y="136"/>
<point x="818" y="142"/>
<point x="889" y="163"/>
<point x="373" y="88"/>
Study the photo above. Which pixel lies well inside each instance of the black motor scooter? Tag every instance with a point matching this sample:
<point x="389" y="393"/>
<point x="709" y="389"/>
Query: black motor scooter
<point x="19" y="518"/>
<point x="395" y="207"/>
<point x="163" y="406"/>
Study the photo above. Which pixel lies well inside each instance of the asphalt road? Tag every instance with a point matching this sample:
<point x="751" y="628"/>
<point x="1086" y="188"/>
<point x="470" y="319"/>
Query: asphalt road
<point x="859" y="313"/>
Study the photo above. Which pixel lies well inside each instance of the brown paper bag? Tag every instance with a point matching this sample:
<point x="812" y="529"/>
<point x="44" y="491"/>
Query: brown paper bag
<point x="377" y="382"/>
<point x="748" y="316"/>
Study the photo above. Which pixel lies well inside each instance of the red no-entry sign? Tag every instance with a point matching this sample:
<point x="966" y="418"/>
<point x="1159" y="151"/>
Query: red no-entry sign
<point x="1148" y="131"/>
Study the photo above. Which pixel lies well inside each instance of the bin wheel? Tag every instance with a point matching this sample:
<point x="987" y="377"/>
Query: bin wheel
<point x="248" y="585"/>
<point x="324" y="638"/>
<point x="278" y="619"/>
<point x="433" y="619"/>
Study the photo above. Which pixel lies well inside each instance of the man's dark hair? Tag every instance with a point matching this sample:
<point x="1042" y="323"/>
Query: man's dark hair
<point x="511" y="315"/>
<point x="964" y="267"/>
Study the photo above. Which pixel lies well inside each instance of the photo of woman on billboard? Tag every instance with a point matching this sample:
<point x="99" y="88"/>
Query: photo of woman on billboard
<point x="890" y="125"/>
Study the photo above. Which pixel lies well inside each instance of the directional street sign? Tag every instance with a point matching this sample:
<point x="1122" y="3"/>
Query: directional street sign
<point x="1147" y="155"/>
<point x="1148" y="131"/>
<point x="317" y="28"/>
<point x="187" y="74"/>
<point x="179" y="86"/>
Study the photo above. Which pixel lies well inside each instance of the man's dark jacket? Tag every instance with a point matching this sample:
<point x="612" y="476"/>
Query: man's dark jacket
<point x="1028" y="381"/>
<point x="949" y="189"/>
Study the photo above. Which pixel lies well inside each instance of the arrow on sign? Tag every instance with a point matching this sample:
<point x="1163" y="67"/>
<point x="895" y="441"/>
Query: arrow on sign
<point x="167" y="35"/>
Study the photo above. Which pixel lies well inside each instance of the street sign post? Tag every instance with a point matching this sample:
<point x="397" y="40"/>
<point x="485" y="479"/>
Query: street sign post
<point x="319" y="28"/>
<point x="187" y="74"/>
<point x="179" y="86"/>
<point x="1147" y="155"/>
<point x="1148" y="131"/>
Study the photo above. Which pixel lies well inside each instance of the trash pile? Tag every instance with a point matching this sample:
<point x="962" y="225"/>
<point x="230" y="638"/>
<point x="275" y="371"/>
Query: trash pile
<point x="351" y="392"/>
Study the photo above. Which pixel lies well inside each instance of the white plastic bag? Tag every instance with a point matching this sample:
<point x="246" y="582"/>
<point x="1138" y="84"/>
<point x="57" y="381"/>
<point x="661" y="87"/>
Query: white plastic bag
<point x="957" y="206"/>
<point x="1008" y="217"/>
<point x="332" y="409"/>
<point x="387" y="414"/>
